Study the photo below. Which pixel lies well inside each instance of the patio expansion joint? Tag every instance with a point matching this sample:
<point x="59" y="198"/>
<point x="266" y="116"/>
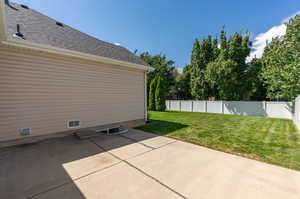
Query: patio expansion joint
<point x="137" y="141"/>
<point x="73" y="180"/>
<point x="140" y="170"/>
<point x="110" y="166"/>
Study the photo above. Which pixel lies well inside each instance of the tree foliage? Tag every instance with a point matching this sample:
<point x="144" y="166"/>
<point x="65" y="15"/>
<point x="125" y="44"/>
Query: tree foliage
<point x="281" y="63"/>
<point x="183" y="84"/>
<point x="219" y="69"/>
<point x="163" y="68"/>
<point x="160" y="100"/>
<point x="256" y="86"/>
<point x="151" y="96"/>
<point x="202" y="54"/>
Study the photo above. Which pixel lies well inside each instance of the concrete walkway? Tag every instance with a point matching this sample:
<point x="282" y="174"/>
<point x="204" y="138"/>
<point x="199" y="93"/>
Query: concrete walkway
<point x="137" y="165"/>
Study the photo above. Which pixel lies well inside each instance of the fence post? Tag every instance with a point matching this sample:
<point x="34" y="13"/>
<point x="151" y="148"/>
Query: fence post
<point x="222" y="107"/>
<point x="192" y="106"/>
<point x="180" y="105"/>
<point x="205" y="106"/>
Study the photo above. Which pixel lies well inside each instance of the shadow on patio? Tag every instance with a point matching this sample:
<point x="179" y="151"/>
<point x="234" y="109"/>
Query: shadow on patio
<point x="58" y="168"/>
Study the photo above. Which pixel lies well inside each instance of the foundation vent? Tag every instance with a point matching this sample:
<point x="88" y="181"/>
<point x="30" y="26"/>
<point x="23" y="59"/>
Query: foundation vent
<point x="25" y="131"/>
<point x="73" y="124"/>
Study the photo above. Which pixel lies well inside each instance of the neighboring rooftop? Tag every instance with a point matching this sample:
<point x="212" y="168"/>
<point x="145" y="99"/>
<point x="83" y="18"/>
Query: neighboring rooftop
<point x="40" y="29"/>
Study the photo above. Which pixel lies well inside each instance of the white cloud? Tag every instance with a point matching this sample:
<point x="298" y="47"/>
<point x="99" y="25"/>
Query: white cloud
<point x="261" y="39"/>
<point x="117" y="44"/>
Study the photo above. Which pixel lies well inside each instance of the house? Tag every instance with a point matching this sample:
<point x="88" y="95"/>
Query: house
<point x="55" y="79"/>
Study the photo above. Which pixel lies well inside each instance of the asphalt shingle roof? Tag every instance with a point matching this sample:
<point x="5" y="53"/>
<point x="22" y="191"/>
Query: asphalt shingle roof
<point x="40" y="29"/>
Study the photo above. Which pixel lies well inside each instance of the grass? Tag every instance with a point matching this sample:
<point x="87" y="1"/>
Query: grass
<point x="274" y="141"/>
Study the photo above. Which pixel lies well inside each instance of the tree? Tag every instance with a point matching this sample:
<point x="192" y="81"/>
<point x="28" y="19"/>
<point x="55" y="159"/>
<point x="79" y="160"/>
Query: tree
<point x="222" y="74"/>
<point x="255" y="86"/>
<point x="281" y="63"/>
<point x="163" y="68"/>
<point x="160" y="100"/>
<point x="220" y="70"/>
<point x="183" y="84"/>
<point x="215" y="48"/>
<point x="152" y="104"/>
<point x="202" y="54"/>
<point x="196" y="75"/>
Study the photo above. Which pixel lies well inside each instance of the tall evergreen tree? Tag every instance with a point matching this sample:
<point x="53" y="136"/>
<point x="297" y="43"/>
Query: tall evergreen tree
<point x="202" y="54"/>
<point x="227" y="75"/>
<point x="223" y="45"/>
<point x="151" y="103"/>
<point x="160" y="100"/>
<point x="196" y="76"/>
<point x="216" y="50"/>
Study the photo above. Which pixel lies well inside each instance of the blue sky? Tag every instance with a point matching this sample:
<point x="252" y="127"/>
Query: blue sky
<point x="166" y="26"/>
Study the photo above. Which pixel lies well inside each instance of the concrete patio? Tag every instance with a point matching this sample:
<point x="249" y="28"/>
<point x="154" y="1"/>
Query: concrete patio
<point x="137" y="165"/>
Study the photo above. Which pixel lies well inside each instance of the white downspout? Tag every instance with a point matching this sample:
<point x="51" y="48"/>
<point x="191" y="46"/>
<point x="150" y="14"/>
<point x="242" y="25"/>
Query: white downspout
<point x="145" y="98"/>
<point x="2" y="21"/>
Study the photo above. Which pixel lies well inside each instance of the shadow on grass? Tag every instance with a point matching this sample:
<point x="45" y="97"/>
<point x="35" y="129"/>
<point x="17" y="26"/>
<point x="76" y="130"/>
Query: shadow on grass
<point x="160" y="127"/>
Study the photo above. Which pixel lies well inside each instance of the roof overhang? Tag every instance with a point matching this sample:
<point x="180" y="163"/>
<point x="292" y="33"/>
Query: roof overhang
<point x="39" y="47"/>
<point x="45" y="48"/>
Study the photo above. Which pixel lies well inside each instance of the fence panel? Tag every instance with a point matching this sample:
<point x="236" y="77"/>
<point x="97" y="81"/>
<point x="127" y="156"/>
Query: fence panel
<point x="268" y="109"/>
<point x="175" y="105"/>
<point x="279" y="109"/>
<point x="214" y="107"/>
<point x="244" y="108"/>
<point x="199" y="106"/>
<point x="187" y="106"/>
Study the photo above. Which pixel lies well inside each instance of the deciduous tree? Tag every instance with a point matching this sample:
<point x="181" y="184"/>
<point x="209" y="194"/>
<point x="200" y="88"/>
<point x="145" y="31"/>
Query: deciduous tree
<point x="281" y="63"/>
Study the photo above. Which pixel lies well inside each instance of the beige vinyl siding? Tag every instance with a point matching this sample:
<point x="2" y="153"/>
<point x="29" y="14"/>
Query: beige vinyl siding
<point x="43" y="92"/>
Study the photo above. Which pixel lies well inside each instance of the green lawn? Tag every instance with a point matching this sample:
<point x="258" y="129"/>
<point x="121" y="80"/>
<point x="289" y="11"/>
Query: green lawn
<point x="275" y="141"/>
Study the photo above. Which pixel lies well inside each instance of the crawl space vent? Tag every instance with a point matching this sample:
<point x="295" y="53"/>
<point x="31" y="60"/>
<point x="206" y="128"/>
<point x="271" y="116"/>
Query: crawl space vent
<point x="74" y="124"/>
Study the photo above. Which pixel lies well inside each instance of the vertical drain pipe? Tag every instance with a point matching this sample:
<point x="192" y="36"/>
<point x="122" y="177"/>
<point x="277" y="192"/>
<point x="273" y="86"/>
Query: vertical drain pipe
<point x="3" y="20"/>
<point x="145" y="98"/>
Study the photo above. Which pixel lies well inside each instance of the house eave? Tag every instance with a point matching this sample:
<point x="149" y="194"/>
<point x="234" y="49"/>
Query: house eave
<point x="44" y="48"/>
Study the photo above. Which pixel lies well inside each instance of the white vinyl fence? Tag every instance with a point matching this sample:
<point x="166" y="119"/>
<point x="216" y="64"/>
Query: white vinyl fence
<point x="267" y="109"/>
